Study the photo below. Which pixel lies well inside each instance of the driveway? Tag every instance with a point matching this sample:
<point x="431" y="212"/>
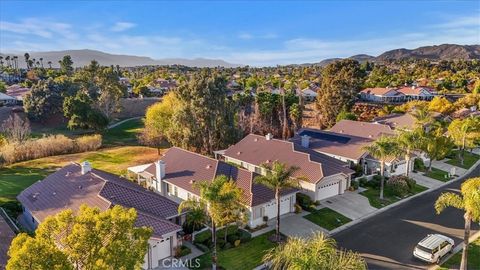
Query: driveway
<point x="425" y="181"/>
<point x="349" y="204"/>
<point x="295" y="225"/>
<point x="442" y="165"/>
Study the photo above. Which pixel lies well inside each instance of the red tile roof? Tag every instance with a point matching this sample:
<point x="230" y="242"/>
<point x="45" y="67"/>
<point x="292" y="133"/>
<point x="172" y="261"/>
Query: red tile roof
<point x="362" y="129"/>
<point x="67" y="188"/>
<point x="377" y="90"/>
<point x="257" y="150"/>
<point x="183" y="168"/>
<point x="414" y="90"/>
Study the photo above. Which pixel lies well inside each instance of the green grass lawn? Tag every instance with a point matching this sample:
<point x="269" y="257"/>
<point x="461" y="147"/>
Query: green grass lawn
<point x="373" y="196"/>
<point x="473" y="258"/>
<point x="469" y="159"/>
<point x="437" y="174"/>
<point x="124" y="134"/>
<point x="246" y="256"/>
<point x="18" y="176"/>
<point x="327" y="218"/>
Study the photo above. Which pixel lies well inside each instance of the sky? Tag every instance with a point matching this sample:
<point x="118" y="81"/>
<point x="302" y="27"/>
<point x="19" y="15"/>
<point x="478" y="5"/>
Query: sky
<point x="257" y="33"/>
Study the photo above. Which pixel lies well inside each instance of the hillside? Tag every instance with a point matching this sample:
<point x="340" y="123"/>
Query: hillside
<point x="83" y="57"/>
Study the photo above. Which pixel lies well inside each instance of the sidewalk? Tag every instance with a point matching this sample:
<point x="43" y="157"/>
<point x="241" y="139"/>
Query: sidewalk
<point x="425" y="181"/>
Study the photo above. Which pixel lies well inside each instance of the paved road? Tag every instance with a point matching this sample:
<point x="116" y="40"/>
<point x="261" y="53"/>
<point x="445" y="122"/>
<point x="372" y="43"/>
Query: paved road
<point x="387" y="240"/>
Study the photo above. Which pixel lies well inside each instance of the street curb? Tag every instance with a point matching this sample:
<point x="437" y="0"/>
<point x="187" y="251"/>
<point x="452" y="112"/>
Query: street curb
<point x="383" y="209"/>
<point x="457" y="249"/>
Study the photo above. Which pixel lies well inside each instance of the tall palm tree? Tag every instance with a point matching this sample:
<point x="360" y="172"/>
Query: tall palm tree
<point x="382" y="149"/>
<point x="469" y="202"/>
<point x="422" y="116"/>
<point x="318" y="252"/>
<point x="408" y="141"/>
<point x="216" y="198"/>
<point x="27" y="60"/>
<point x="41" y="61"/>
<point x="49" y="64"/>
<point x="278" y="177"/>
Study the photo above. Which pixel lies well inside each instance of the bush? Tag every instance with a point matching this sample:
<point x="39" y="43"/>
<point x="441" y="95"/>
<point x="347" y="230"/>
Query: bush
<point x="355" y="185"/>
<point x="181" y="251"/>
<point x="232" y="238"/>
<point x="203" y="237"/>
<point x="400" y="185"/>
<point x="363" y="181"/>
<point x="375" y="182"/>
<point x="418" y="165"/>
<point x="48" y="146"/>
<point x="304" y="201"/>
<point x="227" y="245"/>
<point x="244" y="236"/>
<point x="298" y="208"/>
<point x="202" y="247"/>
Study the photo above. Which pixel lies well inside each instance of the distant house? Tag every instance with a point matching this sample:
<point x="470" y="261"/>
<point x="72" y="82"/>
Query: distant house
<point x="324" y="175"/>
<point x="77" y="184"/>
<point x="346" y="140"/>
<point x="308" y="94"/>
<point x="18" y="92"/>
<point x="417" y="92"/>
<point x="382" y="94"/>
<point x="7" y="100"/>
<point x="175" y="174"/>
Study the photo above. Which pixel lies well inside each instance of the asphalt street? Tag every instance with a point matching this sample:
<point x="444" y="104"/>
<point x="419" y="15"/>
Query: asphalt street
<point x="387" y="240"/>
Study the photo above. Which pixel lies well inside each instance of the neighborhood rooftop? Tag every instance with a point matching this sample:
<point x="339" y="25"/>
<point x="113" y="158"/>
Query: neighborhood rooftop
<point x="362" y="129"/>
<point x="72" y="186"/>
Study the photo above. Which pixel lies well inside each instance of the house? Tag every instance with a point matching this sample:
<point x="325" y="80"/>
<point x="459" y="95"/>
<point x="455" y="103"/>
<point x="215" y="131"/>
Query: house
<point x="7" y="100"/>
<point x="17" y="92"/>
<point x="77" y="184"/>
<point x="417" y="92"/>
<point x="397" y="121"/>
<point x="175" y="174"/>
<point x="324" y="175"/>
<point x="309" y="94"/>
<point x="382" y="94"/>
<point x="6" y="236"/>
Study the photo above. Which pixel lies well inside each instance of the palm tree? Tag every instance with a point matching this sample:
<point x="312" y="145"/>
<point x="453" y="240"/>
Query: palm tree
<point x="278" y="177"/>
<point x="318" y="252"/>
<point x="464" y="132"/>
<point x="216" y="198"/>
<point x="469" y="202"/>
<point x="49" y="64"/>
<point x="41" y="61"/>
<point x="422" y="116"/>
<point x="408" y="141"/>
<point x="382" y="149"/>
<point x="27" y="60"/>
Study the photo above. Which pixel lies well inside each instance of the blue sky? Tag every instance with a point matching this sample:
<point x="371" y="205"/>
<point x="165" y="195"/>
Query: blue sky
<point x="256" y="32"/>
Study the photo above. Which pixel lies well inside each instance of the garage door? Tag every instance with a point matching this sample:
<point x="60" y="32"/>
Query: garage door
<point x="160" y="250"/>
<point x="285" y="206"/>
<point x="328" y="190"/>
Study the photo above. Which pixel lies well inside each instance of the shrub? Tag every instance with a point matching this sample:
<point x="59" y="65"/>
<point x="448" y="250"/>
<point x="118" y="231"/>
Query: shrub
<point x="232" y="238"/>
<point x="181" y="251"/>
<point x="203" y="236"/>
<point x="237" y="243"/>
<point x="375" y="182"/>
<point x="363" y="181"/>
<point x="400" y="185"/>
<point x="418" y="165"/>
<point x="298" y="208"/>
<point x="227" y="245"/>
<point x="304" y="201"/>
<point x="244" y="236"/>
<point x="355" y="185"/>
<point x="88" y="143"/>
<point x="202" y="247"/>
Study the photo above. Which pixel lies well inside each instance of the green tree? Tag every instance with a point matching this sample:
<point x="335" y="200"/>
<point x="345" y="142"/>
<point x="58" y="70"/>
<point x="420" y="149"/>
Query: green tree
<point x="382" y="149"/>
<point x="341" y="81"/>
<point x="44" y="100"/>
<point x="469" y="202"/>
<point x="345" y="115"/>
<point x="464" y="133"/>
<point x="318" y="252"/>
<point x="89" y="239"/>
<point x="218" y="198"/>
<point x="436" y="145"/>
<point x="3" y="87"/>
<point x="66" y="65"/>
<point x="82" y="114"/>
<point x="278" y="177"/>
<point x="111" y="91"/>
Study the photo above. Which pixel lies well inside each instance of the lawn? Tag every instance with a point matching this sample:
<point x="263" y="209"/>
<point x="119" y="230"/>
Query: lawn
<point x="473" y="258"/>
<point x="246" y="256"/>
<point x="18" y="176"/>
<point x="327" y="218"/>
<point x="437" y="174"/>
<point x="373" y="196"/>
<point x="124" y="134"/>
<point x="469" y="159"/>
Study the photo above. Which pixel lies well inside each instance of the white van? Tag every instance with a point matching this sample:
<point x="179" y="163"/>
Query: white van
<point x="433" y="247"/>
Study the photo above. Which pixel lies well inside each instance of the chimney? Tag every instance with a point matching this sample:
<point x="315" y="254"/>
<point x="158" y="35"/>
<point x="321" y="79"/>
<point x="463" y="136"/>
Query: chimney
<point x="160" y="169"/>
<point x="269" y="136"/>
<point x="305" y="141"/>
<point x="86" y="167"/>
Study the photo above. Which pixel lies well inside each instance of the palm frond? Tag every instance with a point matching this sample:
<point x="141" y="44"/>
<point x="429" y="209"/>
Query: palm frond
<point x="448" y="199"/>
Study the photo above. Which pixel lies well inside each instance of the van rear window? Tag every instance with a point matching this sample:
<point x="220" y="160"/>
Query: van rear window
<point x="422" y="248"/>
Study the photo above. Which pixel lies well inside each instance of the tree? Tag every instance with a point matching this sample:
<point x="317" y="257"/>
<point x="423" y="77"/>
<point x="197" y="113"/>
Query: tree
<point x="82" y="114"/>
<point x="110" y="92"/>
<point x="441" y="105"/>
<point x="422" y="117"/>
<point x="44" y="100"/>
<point x="66" y="65"/>
<point x="278" y="177"/>
<point x="3" y="87"/>
<point x="436" y="145"/>
<point x="89" y="239"/>
<point x="464" y="133"/>
<point x="16" y="128"/>
<point x="341" y="81"/>
<point x="345" y="115"/>
<point x="469" y="202"/>
<point x="218" y="198"/>
<point x="408" y="141"/>
<point x="382" y="149"/>
<point x="318" y="252"/>
<point x="27" y="60"/>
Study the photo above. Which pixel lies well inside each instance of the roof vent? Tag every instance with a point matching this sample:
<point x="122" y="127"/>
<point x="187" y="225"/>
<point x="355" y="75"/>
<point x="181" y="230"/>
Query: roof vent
<point x="67" y="174"/>
<point x="208" y="166"/>
<point x="192" y="182"/>
<point x="268" y="161"/>
<point x="54" y="193"/>
<point x="255" y="140"/>
<point x="370" y="136"/>
<point x="269" y="136"/>
<point x="238" y="153"/>
<point x="341" y="131"/>
<point x="80" y="187"/>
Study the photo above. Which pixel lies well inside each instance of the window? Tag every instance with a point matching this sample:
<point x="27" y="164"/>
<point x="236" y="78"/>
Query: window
<point x="258" y="170"/>
<point x="175" y="191"/>
<point x="169" y="188"/>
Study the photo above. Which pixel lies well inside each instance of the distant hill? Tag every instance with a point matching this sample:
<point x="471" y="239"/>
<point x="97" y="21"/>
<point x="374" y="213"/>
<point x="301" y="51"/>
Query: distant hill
<point x="84" y="57"/>
<point x="437" y="52"/>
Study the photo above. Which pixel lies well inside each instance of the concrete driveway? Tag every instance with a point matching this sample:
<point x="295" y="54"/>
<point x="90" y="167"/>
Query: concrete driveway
<point x="349" y="204"/>
<point x="295" y="225"/>
<point x="425" y="181"/>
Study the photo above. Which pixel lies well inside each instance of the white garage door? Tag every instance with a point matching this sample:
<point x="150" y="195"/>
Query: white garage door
<point x="284" y="205"/>
<point x="328" y="190"/>
<point x="160" y="250"/>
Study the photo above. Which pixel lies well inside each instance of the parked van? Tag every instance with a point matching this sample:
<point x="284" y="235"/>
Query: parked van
<point x="433" y="247"/>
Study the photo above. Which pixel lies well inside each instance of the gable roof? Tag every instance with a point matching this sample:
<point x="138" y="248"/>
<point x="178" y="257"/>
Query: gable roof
<point x="380" y="91"/>
<point x="397" y="120"/>
<point x="68" y="188"/>
<point x="362" y="129"/>
<point x="414" y="90"/>
<point x="256" y="150"/>
<point x="184" y="168"/>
